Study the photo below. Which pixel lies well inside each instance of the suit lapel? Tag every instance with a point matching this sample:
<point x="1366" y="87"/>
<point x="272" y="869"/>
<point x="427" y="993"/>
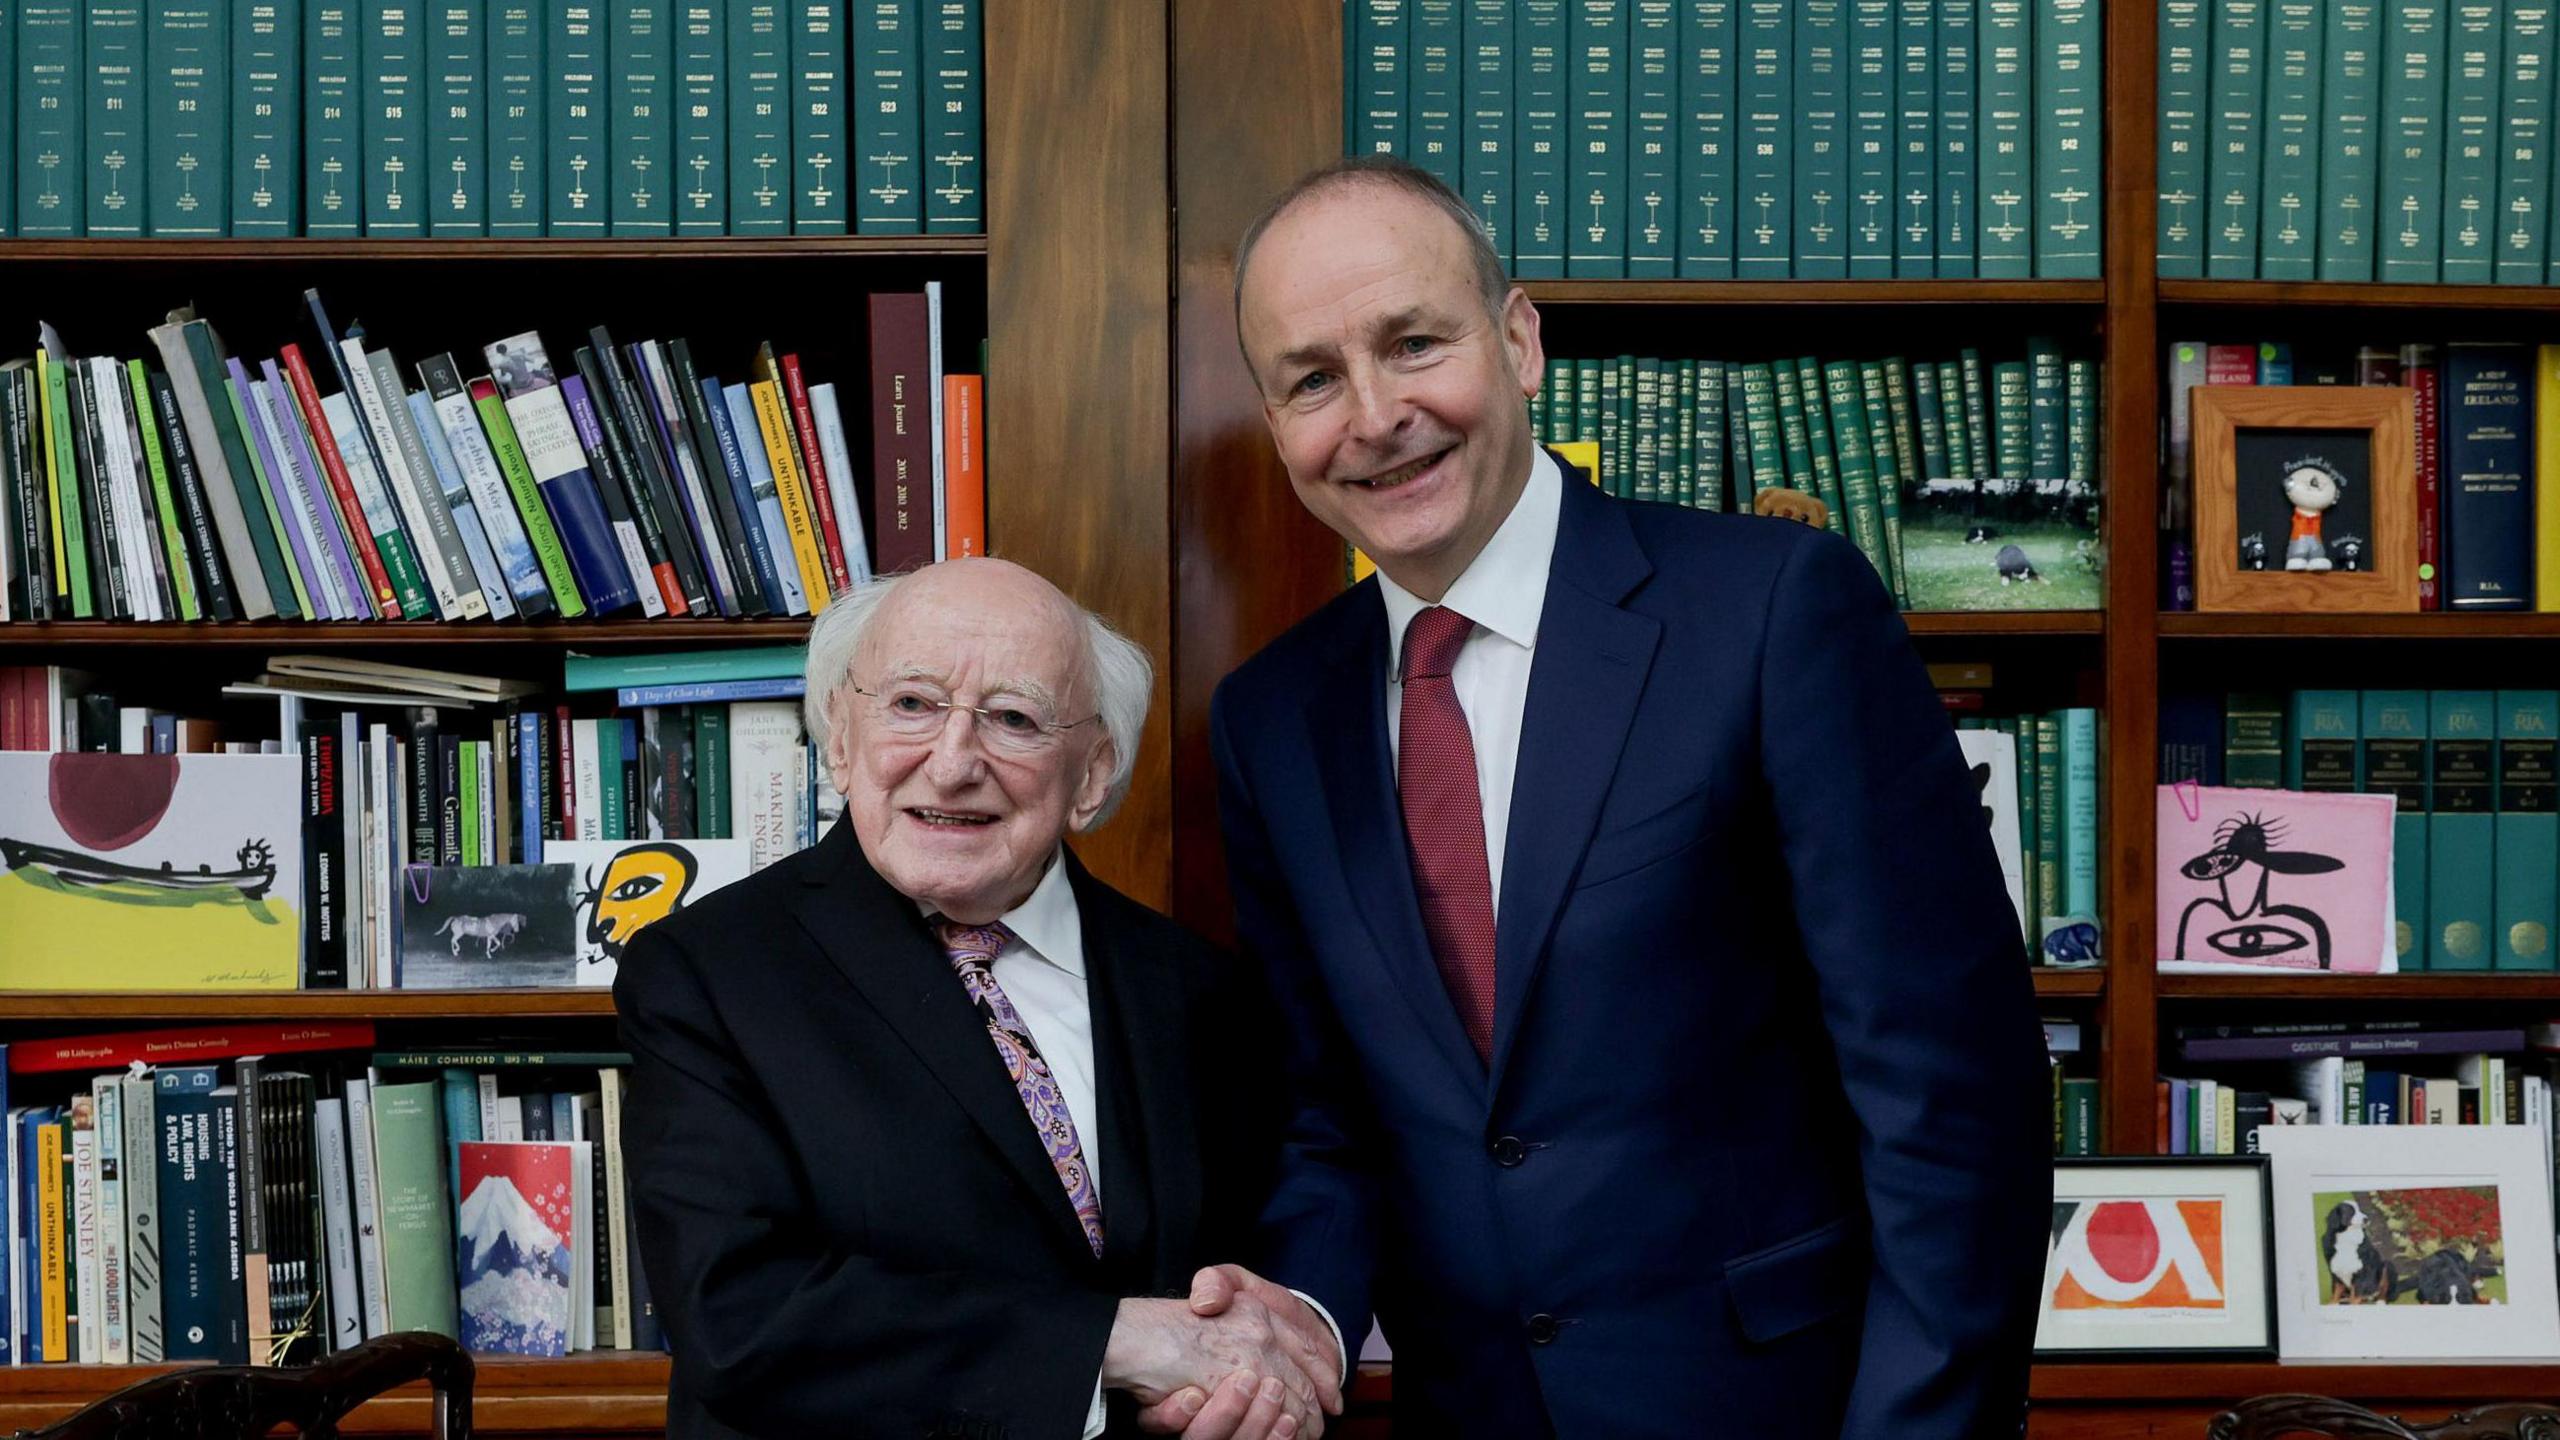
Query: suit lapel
<point x="1589" y="673"/>
<point x="1143" y="1105"/>
<point x="1347" y="719"/>
<point x="880" y="941"/>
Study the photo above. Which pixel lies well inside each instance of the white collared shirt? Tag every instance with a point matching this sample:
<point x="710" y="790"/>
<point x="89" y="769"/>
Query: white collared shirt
<point x="1503" y="590"/>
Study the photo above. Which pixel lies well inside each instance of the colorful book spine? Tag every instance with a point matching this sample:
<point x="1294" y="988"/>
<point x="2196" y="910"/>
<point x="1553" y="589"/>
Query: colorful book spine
<point x="955" y="121"/>
<point x="2289" y="189"/>
<point x="1765" y="166"/>
<point x="1597" y="84"/>
<point x="2526" y="899"/>
<point x="1488" y="73"/>
<point x="517" y="203"/>
<point x="2409" y="228"/>
<point x="887" y="134"/>
<point x="2351" y="138"/>
<point x="536" y="420"/>
<point x="2522" y="145"/>
<point x="480" y="440"/>
<point x="116" y="70"/>
<point x="818" y="154"/>
<point x="1653" y="161"/>
<point x="2070" y="106"/>
<point x="395" y="117"/>
<point x="203" y="1290"/>
<point x="2461" y="876"/>
<point x="187" y="117"/>
<point x="742" y="448"/>
<point x="2421" y="371"/>
<point x="576" y="115"/>
<point x="332" y="120"/>
<point x="456" y="182"/>
<point x="2185" y="42"/>
<point x="1958" y="101"/>
<point x="2472" y="73"/>
<point x="1544" y="38"/>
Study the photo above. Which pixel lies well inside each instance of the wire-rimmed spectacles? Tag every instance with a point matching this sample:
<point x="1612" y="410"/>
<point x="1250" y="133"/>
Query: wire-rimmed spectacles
<point x="1009" y="724"/>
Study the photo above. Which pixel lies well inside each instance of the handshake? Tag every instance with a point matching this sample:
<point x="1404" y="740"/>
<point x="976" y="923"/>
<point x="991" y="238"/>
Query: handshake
<point x="1241" y="1359"/>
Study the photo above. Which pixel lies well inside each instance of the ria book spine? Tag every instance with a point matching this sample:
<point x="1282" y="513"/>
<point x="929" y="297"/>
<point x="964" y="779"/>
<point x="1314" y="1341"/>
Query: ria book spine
<point x="1431" y="129"/>
<point x="641" y="127"/>
<point x="1959" y="70"/>
<point x="1652" y="220"/>
<point x="116" y="72"/>
<point x="1765" y="232"/>
<point x="188" y="116"/>
<point x="887" y="134"/>
<point x="2070" y="106"/>
<point x="266" y="130"/>
<point x="759" y="138"/>
<point x="2461" y="829"/>
<point x="2288" y="216"/>
<point x="2526" y="900"/>
<point x="576" y="106"/>
<point x="2186" y="42"/>
<point x="2472" y="41"/>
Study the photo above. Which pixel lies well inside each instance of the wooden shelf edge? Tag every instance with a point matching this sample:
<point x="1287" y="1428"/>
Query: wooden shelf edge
<point x="2005" y="622"/>
<point x="2228" y="1381"/>
<point x="2418" y="986"/>
<point x="1816" y="292"/>
<point x="2247" y="293"/>
<point x="2506" y="625"/>
<point x="350" y="634"/>
<point x="603" y="1393"/>
<point x="2060" y="984"/>
<point x="300" y="1005"/>
<point x="305" y="251"/>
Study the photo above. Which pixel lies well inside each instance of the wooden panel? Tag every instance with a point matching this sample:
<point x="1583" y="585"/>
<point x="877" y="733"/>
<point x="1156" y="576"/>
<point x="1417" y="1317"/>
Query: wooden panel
<point x="2180" y="1422"/>
<point x="1078" y="398"/>
<point x="2421" y="985"/>
<point x="2005" y="622"/>
<point x="2438" y="625"/>
<point x="2224" y="1383"/>
<point x="1259" y="92"/>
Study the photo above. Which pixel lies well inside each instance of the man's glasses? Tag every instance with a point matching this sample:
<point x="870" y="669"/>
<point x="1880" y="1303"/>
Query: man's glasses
<point x="1007" y="725"/>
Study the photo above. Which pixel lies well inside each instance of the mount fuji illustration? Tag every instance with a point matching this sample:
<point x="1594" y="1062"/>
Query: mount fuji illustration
<point x="514" y="1265"/>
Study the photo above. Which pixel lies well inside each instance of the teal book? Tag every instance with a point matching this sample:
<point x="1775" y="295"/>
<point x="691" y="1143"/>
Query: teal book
<point x="955" y="199"/>
<point x="2023" y="729"/>
<point x="1709" y="424"/>
<point x="1381" y="43"/>
<point x="2052" y="796"/>
<point x="1883" y="451"/>
<point x="9" y="156"/>
<point x="2325" y="753"/>
<point x="2070" y="108"/>
<point x="2350" y="137"/>
<point x="1871" y="139"/>
<point x="333" y="121"/>
<point x="575" y="116"/>
<point x="188" y="117"/>
<point x="1653" y="159"/>
<point x="1959" y="97"/>
<point x="1819" y="129"/>
<point x="2289" y="185"/>
<point x="1645" y="479"/>
<point x="817" y="119"/>
<point x="2527" y="840"/>
<point x="1707" y="60"/>
<point x="2012" y="425"/>
<point x="1764" y="175"/>
<point x="266" y="118"/>
<point x="2462" y="730"/>
<point x="516" y="198"/>
<point x="395" y="117"/>
<point x="887" y="134"/>
<point x="2005" y="142"/>
<point x="1759" y="415"/>
<point x="1596" y="80"/>
<point x="2239" y="123"/>
<point x="2080" y="428"/>
<point x="1813" y="395"/>
<point x="1968" y="443"/>
<point x="1488" y="78"/>
<point x="2186" y="35"/>
<point x="46" y="138"/>
<point x="2395" y="764"/>
<point x="1795" y="445"/>
<point x="2047" y="410"/>
<point x="640" y="49"/>
<point x="457" y="118"/>
<point x="1915" y="171"/>
<point x="2080" y="813"/>
<point x="113" y="65"/>
<point x="2408" y="234"/>
<point x="759" y="120"/>
<point x="1431" y="120"/>
<point x="2473" y="40"/>
<point x="1852" y="450"/>
<point x="2523" y="149"/>
<point x="1980" y="440"/>
<point x="702" y="113"/>
<point x="1586" y="405"/>
<point x="1543" y="35"/>
<point x="1936" y="462"/>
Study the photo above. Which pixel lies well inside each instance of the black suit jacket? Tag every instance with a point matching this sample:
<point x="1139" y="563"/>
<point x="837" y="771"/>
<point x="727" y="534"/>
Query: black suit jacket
<point x="846" y="1220"/>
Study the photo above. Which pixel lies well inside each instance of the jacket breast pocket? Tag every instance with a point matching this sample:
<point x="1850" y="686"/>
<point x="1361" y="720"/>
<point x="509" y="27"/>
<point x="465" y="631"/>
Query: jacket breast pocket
<point x="1631" y="846"/>
<point x="1785" y="1287"/>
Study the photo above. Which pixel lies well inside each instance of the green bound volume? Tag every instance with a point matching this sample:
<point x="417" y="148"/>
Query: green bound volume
<point x="2052" y="795"/>
<point x="1653" y="159"/>
<point x="1936" y="463"/>
<point x="2046" y="386"/>
<point x="1915" y="108"/>
<point x="1763" y="177"/>
<point x="266" y="118"/>
<point x="1586" y="405"/>
<point x="2527" y="841"/>
<point x="1707" y="428"/>
<point x="1883" y="458"/>
<point x="1819" y="131"/>
<point x="1817" y="434"/>
<point x="759" y="120"/>
<point x="2012" y="448"/>
<point x="1851" y="442"/>
<point x="2324" y="753"/>
<point x="2080" y="429"/>
<point x="1959" y="97"/>
<point x="8" y="108"/>
<point x="1761" y="426"/>
<point x="702" y="109"/>
<point x="1596" y="81"/>
<point x="1615" y="381"/>
<point x="114" y="67"/>
<point x="1968" y="444"/>
<point x="1488" y="75"/>
<point x="457" y="180"/>
<point x="1680" y="421"/>
<point x="1645" y="478"/>
<point x="1538" y="138"/>
<point x="1796" y="447"/>
<point x="516" y="203"/>
<point x="47" y="137"/>
<point x="1380" y="34"/>
<point x="417" y="1228"/>
<point x="2524" y="141"/>
<point x="2004" y="143"/>
<point x="1707" y="59"/>
<point x="2289" y="189"/>
<point x="333" y="120"/>
<point x="1871" y="139"/>
<point x="640" y="122"/>
<point x="2186" y="35"/>
<point x="1977" y="415"/>
<point x="395" y="117"/>
<point x="887" y="136"/>
<point x="2472" y="70"/>
<point x="2461" y="828"/>
<point x="575" y="120"/>
<point x="189" y="117"/>
<point x="2070" y="105"/>
<point x="1431" y="120"/>
<point x="2408" y="231"/>
<point x="2395" y="763"/>
<point x="2350" y="131"/>
<point x="955" y="119"/>
<point x="818" y="164"/>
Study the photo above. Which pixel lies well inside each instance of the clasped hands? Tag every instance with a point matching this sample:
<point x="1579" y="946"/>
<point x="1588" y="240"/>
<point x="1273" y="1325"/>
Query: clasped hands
<point x="1241" y="1359"/>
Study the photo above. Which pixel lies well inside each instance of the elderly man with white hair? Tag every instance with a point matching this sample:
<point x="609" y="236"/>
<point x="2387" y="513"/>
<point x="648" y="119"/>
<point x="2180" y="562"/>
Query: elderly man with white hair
<point x="923" y="1116"/>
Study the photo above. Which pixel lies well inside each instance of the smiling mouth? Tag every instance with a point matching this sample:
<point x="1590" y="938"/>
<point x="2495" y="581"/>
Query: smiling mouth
<point x="1402" y="474"/>
<point x="948" y="819"/>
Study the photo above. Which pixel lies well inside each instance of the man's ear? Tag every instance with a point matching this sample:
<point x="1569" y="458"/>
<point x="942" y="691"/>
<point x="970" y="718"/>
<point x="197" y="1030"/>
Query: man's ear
<point x="1520" y="334"/>
<point x="839" y="756"/>
<point x="1093" y="788"/>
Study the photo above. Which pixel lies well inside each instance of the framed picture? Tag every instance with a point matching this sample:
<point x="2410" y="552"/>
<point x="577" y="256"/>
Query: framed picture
<point x="2306" y="498"/>
<point x="2413" y="1242"/>
<point x="2151" y="1256"/>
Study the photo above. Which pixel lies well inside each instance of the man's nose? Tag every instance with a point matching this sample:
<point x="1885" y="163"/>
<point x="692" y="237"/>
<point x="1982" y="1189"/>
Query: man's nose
<point x="957" y="758"/>
<point x="1377" y="408"/>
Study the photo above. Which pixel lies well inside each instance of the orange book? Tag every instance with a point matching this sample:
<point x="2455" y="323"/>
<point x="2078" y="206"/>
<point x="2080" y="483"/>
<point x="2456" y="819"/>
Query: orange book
<point x="964" y="445"/>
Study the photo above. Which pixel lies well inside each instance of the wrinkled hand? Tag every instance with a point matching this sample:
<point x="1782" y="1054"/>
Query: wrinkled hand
<point x="1303" y="1336"/>
<point x="1231" y="1373"/>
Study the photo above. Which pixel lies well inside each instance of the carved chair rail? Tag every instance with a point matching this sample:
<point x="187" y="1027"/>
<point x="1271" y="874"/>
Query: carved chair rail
<point x="241" y="1402"/>
<point x="2285" y="1417"/>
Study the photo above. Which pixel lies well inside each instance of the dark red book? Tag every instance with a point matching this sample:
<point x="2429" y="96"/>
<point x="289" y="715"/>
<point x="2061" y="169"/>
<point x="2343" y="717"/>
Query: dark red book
<point x="804" y="421"/>
<point x="901" y="432"/>
<point x="2418" y="371"/>
<point x="190" y="1046"/>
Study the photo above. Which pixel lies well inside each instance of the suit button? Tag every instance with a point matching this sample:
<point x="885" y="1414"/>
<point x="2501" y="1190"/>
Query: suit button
<point x="1509" y="1150"/>
<point x="1542" y="1329"/>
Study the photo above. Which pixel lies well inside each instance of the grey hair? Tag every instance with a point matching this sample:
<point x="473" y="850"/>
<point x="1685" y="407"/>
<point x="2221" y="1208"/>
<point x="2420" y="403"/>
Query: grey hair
<point x="1393" y="173"/>
<point x="1123" y="676"/>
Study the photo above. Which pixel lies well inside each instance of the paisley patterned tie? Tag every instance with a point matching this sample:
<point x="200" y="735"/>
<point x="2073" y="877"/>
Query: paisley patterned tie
<point x="973" y="950"/>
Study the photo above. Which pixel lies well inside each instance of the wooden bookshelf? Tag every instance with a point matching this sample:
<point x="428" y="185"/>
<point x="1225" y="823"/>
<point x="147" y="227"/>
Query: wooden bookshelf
<point x="1812" y="293"/>
<point x="2003" y="623"/>
<point x="597" y="1394"/>
<point x="2333" y="296"/>
<point x="2511" y="988"/>
<point x="2052" y="984"/>
<point x="469" y="1008"/>
<point x="291" y="253"/>
<point x="290" y="635"/>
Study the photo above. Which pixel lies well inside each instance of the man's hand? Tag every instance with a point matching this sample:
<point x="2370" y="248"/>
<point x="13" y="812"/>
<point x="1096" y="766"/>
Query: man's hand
<point x="1305" y="1338"/>
<point x="1233" y="1374"/>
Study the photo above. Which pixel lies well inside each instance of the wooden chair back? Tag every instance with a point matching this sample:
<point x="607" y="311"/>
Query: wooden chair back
<point x="243" y="1402"/>
<point x="2291" y="1417"/>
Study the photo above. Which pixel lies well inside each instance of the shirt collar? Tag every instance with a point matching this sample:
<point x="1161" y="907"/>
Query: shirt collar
<point x="1047" y="921"/>
<point x="1504" y="589"/>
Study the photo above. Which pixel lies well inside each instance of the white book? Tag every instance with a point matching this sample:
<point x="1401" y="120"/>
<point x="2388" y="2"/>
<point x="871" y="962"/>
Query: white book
<point x="492" y="785"/>
<point x="839" y="457"/>
<point x="363" y="1186"/>
<point x="582" y="1262"/>
<point x="85" y="1328"/>
<point x="616" y="1208"/>
<point x="408" y="450"/>
<point x="404" y="489"/>
<point x="142" y="1218"/>
<point x="392" y="847"/>
<point x="122" y="482"/>
<point x="523" y="373"/>
<point x="765" y="778"/>
<point x="2208" y="1135"/>
<point x="487" y="1083"/>
<point x="933" y="416"/>
<point x="659" y="384"/>
<point x="320" y="583"/>
<point x="740" y="404"/>
<point x="337" y="1223"/>
<point x="373" y="497"/>
<point x="115" y="1338"/>
<point x="461" y="506"/>
<point x="586" y="1122"/>
<point x="133" y="730"/>
<point x="510" y="1115"/>
<point x="463" y="438"/>
<point x="18" y="1219"/>
<point x="586" y="780"/>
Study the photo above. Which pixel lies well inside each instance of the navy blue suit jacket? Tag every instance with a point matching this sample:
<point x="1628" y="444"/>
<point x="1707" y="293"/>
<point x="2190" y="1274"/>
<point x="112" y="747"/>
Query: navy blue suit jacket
<point x="1764" y="1146"/>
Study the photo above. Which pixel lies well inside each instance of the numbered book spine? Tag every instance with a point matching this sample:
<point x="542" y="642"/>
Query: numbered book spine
<point x="2186" y="36"/>
<point x="2473" y="42"/>
<point x="956" y="126"/>
<point x="2524" y="904"/>
<point x="1871" y="66"/>
<point x="2461" y="827"/>
<point x="640" y="122"/>
<point x="1706" y="74"/>
<point x="1958" y="99"/>
<point x="189" y="113"/>
<point x="2523" y="145"/>
<point x="701" y="174"/>
<point x="51" y="159"/>
<point x="1431" y="124"/>
<point x="575" y="126"/>
<point x="818" y="168"/>
<point x="2004" y="143"/>
<point x="1538" y="138"/>
<point x="2350" y="138"/>
<point x="1595" y="237"/>
<point x="1915" y="170"/>
<point x="1819" y="131"/>
<point x="2289" y="190"/>
<point x="2408" y="231"/>
<point x="1379" y="33"/>
<point x="266" y="124"/>
<point x="115" y="66"/>
<point x="516" y="85"/>
<point x="1652" y="215"/>
<point x="1488" y="68"/>
<point x="8" y="210"/>
<point x="760" y="120"/>
<point x="395" y="121"/>
<point x="332" y="123"/>
<point x="2070" y="105"/>
<point x="887" y="135"/>
<point x="1766" y="240"/>
<point x="456" y="183"/>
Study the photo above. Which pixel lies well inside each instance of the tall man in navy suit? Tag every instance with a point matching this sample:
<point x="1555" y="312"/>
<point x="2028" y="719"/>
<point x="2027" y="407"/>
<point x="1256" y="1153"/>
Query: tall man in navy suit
<point x="1663" y="1057"/>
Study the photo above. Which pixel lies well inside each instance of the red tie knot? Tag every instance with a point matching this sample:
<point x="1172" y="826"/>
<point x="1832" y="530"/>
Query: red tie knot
<point x="1432" y="640"/>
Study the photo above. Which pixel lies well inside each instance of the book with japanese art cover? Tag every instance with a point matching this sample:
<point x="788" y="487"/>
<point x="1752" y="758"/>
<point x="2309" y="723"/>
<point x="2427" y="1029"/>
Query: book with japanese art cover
<point x="522" y="1261"/>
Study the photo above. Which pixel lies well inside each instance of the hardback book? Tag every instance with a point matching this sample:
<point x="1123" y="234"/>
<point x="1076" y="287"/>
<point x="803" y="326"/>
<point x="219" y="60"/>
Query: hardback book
<point x="641" y="126"/>
<point x="266" y="134"/>
<point x="2526" y="842"/>
<point x="2289" y="195"/>
<point x="522" y="402"/>
<point x="524" y="1269"/>
<point x="1596" y="79"/>
<point x="577" y="104"/>
<point x="901" y="414"/>
<point x="116" y="77"/>
<point x="1435" y="36"/>
<point x="2421" y="369"/>
<point x="2351" y="135"/>
<point x="2409" y="232"/>
<point x="1375" y="33"/>
<point x="759" y="119"/>
<point x="364" y="1194"/>
<point x="2324" y="750"/>
<point x="203" y="1292"/>
<point x="1915" y="185"/>
<point x="338" y="1222"/>
<point x="955" y="136"/>
<point x="887" y="134"/>
<point x="2546" y="478"/>
<point x="2237" y="95"/>
<point x="416" y="1225"/>
<point x="701" y="175"/>
<point x="453" y="437"/>
<point x="1959" y="74"/>
<point x="1544" y="41"/>
<point x="2004" y="141"/>
<point x="187" y="117"/>
<point x="2487" y="488"/>
<point x="2185" y="47"/>
<point x="1764" y="175"/>
<point x="518" y="204"/>
<point x="457" y="92"/>
<point x="2521" y="147"/>
<point x="1871" y="201"/>
<point x="2253" y="740"/>
<point x="395" y="117"/>
<point x="2470" y="174"/>
<point x="1651" y="221"/>
<point x="382" y="401"/>
<point x="333" y="89"/>
<point x="48" y="147"/>
<point x="1487" y="70"/>
<point x="2461" y="828"/>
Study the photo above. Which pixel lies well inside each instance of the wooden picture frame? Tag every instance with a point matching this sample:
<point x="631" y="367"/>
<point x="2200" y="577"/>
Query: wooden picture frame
<point x="2386" y="578"/>
<point x="2201" y="1282"/>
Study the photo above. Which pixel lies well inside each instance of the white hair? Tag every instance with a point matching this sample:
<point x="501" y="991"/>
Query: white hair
<point x="1123" y="675"/>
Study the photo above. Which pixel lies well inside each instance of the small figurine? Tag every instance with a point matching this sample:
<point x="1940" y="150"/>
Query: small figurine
<point x="2349" y="552"/>
<point x="2253" y="551"/>
<point x="2313" y="485"/>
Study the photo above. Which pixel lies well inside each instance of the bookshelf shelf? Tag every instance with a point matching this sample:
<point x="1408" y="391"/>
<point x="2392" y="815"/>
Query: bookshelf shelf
<point x="605" y="1393"/>
<point x="2506" y="625"/>
<point x="2017" y="622"/>
<point x="461" y="1005"/>
<point x="2070" y="984"/>
<point x="411" y="252"/>
<point x="2332" y="295"/>
<point x="2511" y="986"/>
<point x="2226" y="1381"/>
<point x="1816" y="292"/>
<point x="303" y="635"/>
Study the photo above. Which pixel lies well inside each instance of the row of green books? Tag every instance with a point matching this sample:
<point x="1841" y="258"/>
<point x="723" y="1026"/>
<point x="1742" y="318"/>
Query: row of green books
<point x="2038" y="778"/>
<point x="2405" y="141"/>
<point x="412" y="119"/>
<point x="2078" y="1127"/>
<point x="1750" y="139"/>
<point x="2475" y="858"/>
<point x="1969" y="485"/>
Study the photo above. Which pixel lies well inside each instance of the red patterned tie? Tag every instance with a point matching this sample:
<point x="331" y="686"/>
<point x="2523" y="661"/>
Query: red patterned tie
<point x="1444" y="819"/>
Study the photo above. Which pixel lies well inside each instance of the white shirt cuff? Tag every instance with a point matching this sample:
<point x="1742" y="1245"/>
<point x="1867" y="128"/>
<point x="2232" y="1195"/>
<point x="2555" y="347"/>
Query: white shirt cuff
<point x="1341" y="1352"/>
<point x="1093" y="1417"/>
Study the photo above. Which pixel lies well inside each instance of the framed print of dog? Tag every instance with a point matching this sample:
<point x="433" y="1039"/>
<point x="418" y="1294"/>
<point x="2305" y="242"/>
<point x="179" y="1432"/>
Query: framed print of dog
<point x="2153" y="1256"/>
<point x="2306" y="499"/>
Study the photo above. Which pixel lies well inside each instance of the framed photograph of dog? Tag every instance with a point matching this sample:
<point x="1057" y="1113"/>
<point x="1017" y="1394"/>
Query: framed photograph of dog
<point x="2306" y="498"/>
<point x="2156" y="1256"/>
<point x="2413" y="1242"/>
